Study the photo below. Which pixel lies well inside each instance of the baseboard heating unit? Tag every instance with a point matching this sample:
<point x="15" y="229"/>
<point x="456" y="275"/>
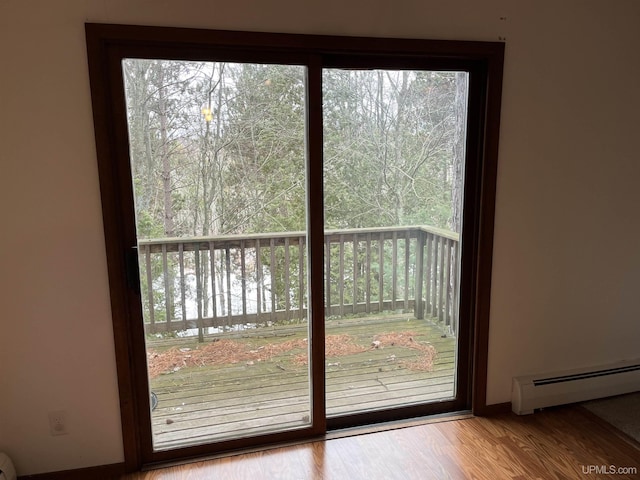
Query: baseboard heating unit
<point x="539" y="391"/>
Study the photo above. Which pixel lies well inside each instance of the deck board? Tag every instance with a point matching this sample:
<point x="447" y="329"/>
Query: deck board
<point x="214" y="402"/>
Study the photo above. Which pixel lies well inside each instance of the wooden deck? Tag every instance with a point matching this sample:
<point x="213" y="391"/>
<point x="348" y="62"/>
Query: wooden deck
<point x="216" y="401"/>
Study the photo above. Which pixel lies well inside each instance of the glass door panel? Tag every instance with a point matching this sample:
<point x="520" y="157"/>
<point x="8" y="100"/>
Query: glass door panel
<point x="393" y="182"/>
<point x="218" y="164"/>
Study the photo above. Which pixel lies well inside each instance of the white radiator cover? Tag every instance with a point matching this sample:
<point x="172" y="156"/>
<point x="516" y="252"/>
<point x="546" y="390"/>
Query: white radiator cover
<point x="7" y="471"/>
<point x="538" y="391"/>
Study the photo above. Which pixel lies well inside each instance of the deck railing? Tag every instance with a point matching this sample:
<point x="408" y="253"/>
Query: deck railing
<point x="226" y="281"/>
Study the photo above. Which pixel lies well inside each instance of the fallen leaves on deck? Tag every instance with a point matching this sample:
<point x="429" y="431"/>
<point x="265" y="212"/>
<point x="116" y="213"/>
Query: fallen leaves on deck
<point x="227" y="351"/>
<point x="221" y="352"/>
<point x="407" y="339"/>
<point x="335" y="346"/>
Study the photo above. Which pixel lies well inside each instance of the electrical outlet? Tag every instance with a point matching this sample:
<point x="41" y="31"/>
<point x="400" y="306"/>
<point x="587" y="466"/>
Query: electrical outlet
<point x="58" y="422"/>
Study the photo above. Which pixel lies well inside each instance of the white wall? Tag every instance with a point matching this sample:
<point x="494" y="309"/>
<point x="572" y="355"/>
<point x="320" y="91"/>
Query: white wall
<point x="566" y="261"/>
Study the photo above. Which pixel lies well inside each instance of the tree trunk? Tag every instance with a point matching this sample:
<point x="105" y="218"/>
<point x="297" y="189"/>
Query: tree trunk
<point x="459" y="142"/>
<point x="164" y="153"/>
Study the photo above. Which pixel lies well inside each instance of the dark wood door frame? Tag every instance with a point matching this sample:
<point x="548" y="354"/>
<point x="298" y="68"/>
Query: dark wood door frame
<point x="107" y="45"/>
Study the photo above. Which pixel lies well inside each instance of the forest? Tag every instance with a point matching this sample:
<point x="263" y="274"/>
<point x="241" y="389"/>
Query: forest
<point x="218" y="148"/>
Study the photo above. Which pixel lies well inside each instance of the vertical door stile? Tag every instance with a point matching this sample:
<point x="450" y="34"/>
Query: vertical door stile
<point x="315" y="239"/>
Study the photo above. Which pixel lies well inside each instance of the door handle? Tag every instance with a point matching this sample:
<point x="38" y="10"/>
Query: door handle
<point x="132" y="269"/>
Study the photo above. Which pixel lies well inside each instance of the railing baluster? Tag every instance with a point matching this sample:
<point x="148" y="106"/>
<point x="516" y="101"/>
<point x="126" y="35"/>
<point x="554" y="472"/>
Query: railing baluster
<point x="327" y="258"/>
<point x="434" y="269"/>
<point x="259" y="280"/>
<point x="394" y="270"/>
<point x="204" y="265"/>
<point x="454" y="283"/>
<point x="243" y="280"/>
<point x="407" y="244"/>
<point x="341" y="275"/>
<point x="147" y="257"/>
<point x="447" y="299"/>
<point x="427" y="272"/>
<point x="441" y="288"/>
<point x="168" y="301"/>
<point x="355" y="271"/>
<point x="287" y="285"/>
<point x="419" y="280"/>
<point x="301" y="293"/>
<point x="183" y="287"/>
<point x="272" y="272"/>
<point x="212" y="272"/>
<point x="199" y="293"/>
<point x="381" y="279"/>
<point x="227" y="262"/>
<point x="368" y="274"/>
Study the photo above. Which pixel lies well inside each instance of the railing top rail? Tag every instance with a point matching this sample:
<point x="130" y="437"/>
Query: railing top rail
<point x="263" y="237"/>
<point x="441" y="232"/>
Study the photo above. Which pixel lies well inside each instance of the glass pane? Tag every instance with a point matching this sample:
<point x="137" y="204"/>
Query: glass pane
<point x="393" y="179"/>
<point x="218" y="164"/>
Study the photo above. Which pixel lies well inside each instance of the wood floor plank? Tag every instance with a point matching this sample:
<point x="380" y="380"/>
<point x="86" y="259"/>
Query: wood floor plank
<point x="562" y="443"/>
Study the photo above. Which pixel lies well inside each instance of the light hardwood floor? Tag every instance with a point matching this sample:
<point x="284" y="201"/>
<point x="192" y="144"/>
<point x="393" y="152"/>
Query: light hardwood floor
<point x="563" y="443"/>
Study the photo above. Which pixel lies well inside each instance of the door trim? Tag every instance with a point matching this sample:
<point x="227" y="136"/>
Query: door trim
<point x="108" y="44"/>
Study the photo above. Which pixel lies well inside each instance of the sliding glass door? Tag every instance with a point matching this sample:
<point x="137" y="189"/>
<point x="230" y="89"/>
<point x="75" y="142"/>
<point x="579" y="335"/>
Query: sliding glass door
<point x="393" y="181"/>
<point x="298" y="231"/>
<point x="218" y="167"/>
